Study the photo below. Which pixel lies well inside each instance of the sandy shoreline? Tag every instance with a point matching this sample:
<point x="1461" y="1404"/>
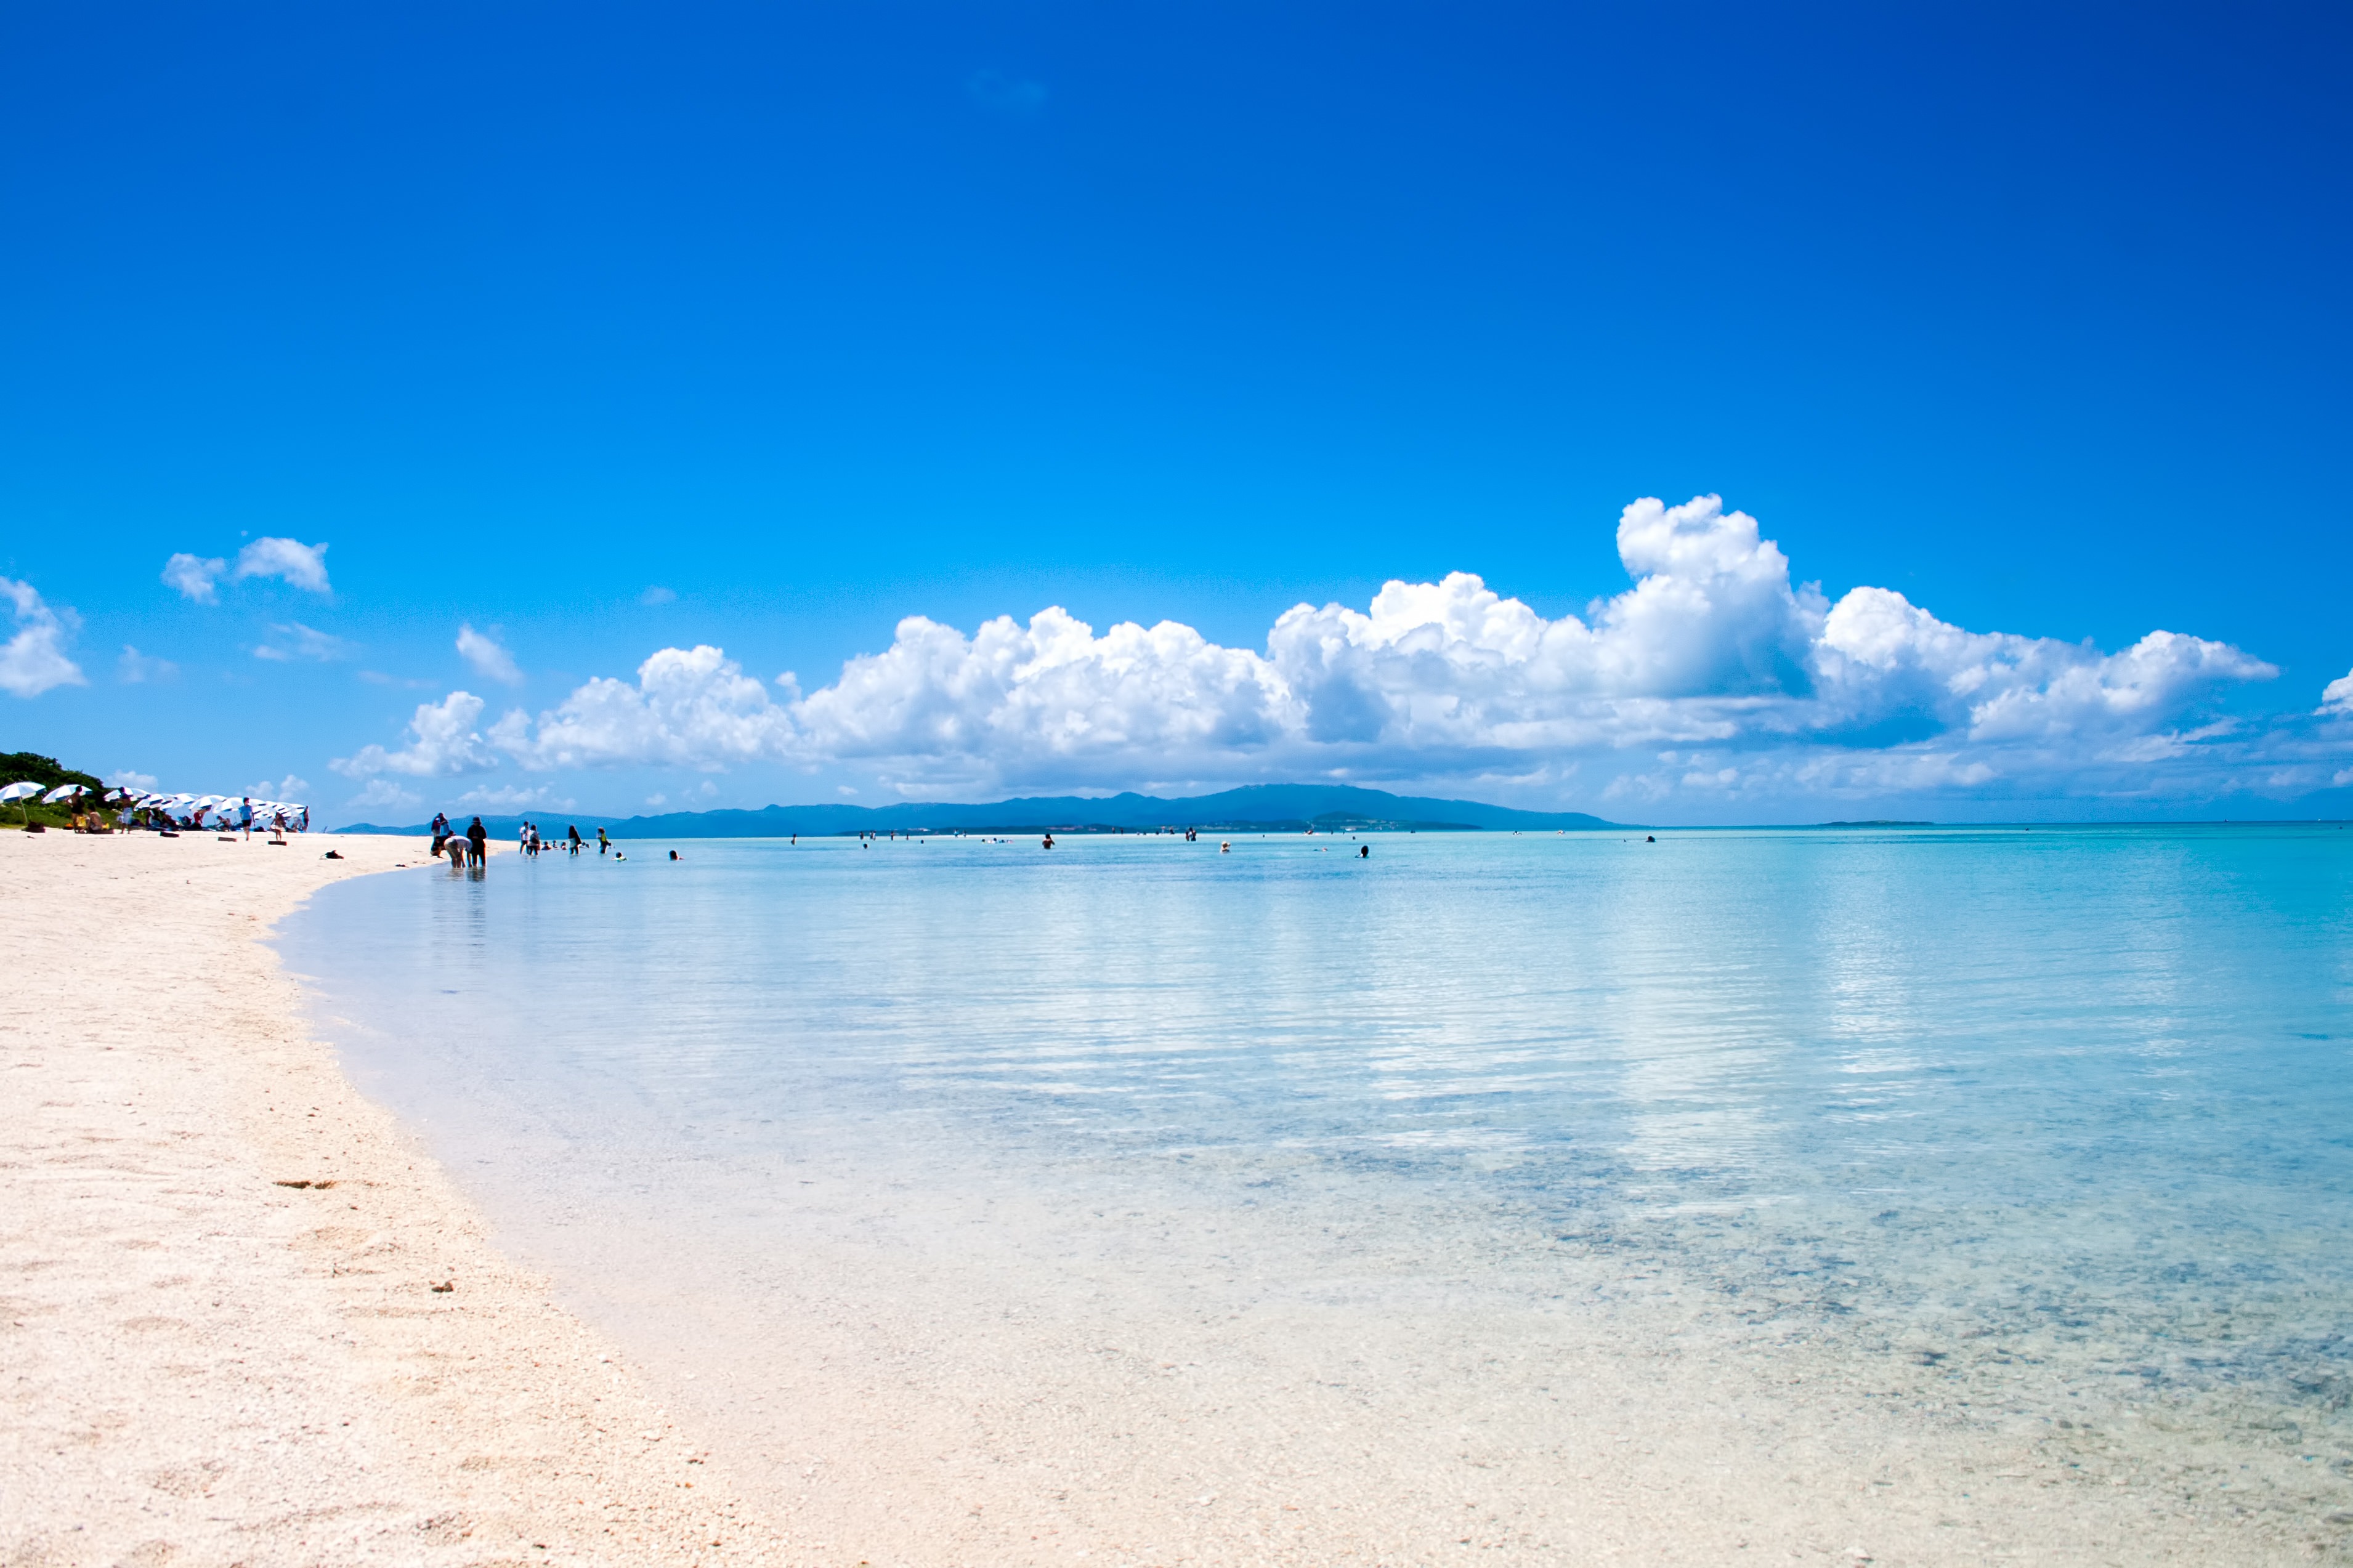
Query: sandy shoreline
<point x="206" y="1364"/>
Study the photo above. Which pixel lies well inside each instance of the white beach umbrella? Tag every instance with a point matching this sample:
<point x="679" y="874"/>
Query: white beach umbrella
<point x="20" y="790"/>
<point x="63" y="792"/>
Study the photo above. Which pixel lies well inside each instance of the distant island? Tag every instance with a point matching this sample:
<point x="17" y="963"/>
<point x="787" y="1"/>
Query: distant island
<point x="1257" y="808"/>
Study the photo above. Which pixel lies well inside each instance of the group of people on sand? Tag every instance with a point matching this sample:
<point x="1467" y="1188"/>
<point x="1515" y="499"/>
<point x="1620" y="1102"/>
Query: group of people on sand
<point x="222" y="814"/>
<point x="122" y="810"/>
<point x="471" y="849"/>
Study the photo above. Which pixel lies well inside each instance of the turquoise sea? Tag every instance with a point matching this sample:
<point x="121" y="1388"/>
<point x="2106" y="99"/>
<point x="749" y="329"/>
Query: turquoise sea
<point x="2049" y="1121"/>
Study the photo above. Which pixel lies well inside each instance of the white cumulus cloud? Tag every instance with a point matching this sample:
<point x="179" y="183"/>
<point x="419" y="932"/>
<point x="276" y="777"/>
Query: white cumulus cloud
<point x="2336" y="696"/>
<point x="1026" y="697"/>
<point x="488" y="656"/>
<point x="197" y="577"/>
<point x="690" y="708"/>
<point x="33" y="660"/>
<point x="1713" y="673"/>
<point x="442" y="740"/>
<point x="301" y="565"/>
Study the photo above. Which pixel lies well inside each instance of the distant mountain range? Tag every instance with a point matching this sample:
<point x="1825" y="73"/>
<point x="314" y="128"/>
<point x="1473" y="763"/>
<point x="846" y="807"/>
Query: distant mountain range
<point x="1254" y="807"/>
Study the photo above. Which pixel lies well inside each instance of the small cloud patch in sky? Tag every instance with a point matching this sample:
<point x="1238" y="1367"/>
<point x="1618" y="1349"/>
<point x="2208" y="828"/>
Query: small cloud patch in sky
<point x="2336" y="696"/>
<point x="136" y="669"/>
<point x="301" y="565"/>
<point x="194" y="577"/>
<point x="33" y="660"/>
<point x="1015" y="97"/>
<point x="129" y="778"/>
<point x="509" y="797"/>
<point x="488" y="656"/>
<point x="197" y="577"/>
<point x="296" y="641"/>
<point x="383" y="791"/>
<point x="658" y="594"/>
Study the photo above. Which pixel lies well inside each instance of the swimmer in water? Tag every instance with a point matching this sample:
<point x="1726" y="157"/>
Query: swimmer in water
<point x="1227" y="847"/>
<point x="1364" y="852"/>
<point x="1049" y="841"/>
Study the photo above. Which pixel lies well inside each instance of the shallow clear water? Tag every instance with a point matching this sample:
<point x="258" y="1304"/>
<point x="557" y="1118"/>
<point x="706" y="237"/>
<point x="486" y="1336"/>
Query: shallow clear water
<point x="2088" y="1084"/>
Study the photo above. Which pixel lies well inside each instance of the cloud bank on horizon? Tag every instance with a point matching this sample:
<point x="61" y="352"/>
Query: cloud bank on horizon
<point x="1714" y="679"/>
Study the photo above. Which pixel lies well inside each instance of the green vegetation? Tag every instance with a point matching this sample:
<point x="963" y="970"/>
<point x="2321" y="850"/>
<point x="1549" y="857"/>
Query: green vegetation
<point x="48" y="773"/>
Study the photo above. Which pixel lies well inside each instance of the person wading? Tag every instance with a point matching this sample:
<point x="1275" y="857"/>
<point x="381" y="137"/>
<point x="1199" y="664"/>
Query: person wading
<point x="477" y="841"/>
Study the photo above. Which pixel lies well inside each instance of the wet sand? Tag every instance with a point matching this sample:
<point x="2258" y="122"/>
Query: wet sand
<point x="207" y="1362"/>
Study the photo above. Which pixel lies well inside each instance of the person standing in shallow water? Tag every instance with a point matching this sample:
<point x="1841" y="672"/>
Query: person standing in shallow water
<point x="478" y="842"/>
<point x="603" y="843"/>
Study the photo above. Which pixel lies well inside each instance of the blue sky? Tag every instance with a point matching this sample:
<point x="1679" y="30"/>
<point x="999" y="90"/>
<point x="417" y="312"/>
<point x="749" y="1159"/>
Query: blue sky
<point x="604" y="331"/>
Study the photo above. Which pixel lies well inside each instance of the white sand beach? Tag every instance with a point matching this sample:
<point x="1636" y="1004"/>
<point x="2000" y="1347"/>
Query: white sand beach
<point x="209" y="1361"/>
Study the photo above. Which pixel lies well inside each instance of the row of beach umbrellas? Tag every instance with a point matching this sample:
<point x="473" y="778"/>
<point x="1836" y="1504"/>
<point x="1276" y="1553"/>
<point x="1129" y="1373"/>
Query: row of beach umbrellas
<point x="190" y="810"/>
